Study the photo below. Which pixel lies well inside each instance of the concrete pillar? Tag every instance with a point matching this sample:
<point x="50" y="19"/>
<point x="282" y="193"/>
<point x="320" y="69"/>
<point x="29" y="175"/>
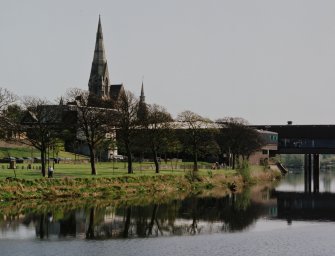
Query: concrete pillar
<point x="316" y="172"/>
<point x="308" y="172"/>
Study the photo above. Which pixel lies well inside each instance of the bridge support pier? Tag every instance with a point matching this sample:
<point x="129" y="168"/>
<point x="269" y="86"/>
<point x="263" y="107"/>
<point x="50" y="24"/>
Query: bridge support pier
<point x="312" y="169"/>
<point x="308" y="172"/>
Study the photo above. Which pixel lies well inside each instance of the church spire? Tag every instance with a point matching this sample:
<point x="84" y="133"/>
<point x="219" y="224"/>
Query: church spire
<point x="99" y="52"/>
<point x="142" y="113"/>
<point x="99" y="78"/>
<point x="142" y="97"/>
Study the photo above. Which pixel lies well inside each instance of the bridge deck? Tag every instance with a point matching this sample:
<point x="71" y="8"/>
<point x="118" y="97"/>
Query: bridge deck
<point x="303" y="139"/>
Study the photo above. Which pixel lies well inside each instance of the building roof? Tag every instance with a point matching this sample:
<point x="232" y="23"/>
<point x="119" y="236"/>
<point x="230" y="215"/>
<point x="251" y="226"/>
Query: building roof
<point x="115" y="91"/>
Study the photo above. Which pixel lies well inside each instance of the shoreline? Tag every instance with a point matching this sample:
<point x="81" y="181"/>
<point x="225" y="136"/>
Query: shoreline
<point x="128" y="187"/>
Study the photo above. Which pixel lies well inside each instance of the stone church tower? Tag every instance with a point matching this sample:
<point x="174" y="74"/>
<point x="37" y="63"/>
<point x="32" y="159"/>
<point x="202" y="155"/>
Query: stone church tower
<point x="99" y="83"/>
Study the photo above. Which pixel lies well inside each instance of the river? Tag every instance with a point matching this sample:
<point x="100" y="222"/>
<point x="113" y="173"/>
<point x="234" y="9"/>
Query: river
<point x="262" y="220"/>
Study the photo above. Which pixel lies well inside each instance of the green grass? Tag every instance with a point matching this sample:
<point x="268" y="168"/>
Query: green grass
<point x="84" y="169"/>
<point x="106" y="169"/>
<point x="32" y="152"/>
<point x="17" y="152"/>
<point x="75" y="181"/>
<point x="103" y="170"/>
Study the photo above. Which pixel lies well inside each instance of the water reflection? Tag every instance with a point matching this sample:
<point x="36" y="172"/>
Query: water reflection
<point x="306" y="206"/>
<point x="295" y="203"/>
<point x="46" y="226"/>
<point x="326" y="180"/>
<point x="192" y="216"/>
<point x="294" y="181"/>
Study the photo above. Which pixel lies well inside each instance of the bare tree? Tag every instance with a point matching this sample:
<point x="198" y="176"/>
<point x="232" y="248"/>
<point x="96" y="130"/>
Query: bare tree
<point x="7" y="98"/>
<point x="157" y="129"/>
<point x="94" y="124"/>
<point x="196" y="129"/>
<point x="39" y="124"/>
<point x="127" y="123"/>
<point x="236" y="138"/>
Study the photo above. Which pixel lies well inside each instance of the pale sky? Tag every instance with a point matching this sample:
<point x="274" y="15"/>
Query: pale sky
<point x="266" y="61"/>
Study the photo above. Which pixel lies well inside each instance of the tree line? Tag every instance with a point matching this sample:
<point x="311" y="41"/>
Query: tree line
<point x="133" y="127"/>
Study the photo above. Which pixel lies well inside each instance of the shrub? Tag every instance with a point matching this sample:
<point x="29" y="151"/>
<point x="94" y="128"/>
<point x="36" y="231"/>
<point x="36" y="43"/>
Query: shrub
<point x="192" y="176"/>
<point x="244" y="171"/>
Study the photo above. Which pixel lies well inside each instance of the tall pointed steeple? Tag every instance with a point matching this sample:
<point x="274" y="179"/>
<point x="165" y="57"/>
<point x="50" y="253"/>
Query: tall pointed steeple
<point x="142" y="113"/>
<point x="142" y="97"/>
<point x="99" y="82"/>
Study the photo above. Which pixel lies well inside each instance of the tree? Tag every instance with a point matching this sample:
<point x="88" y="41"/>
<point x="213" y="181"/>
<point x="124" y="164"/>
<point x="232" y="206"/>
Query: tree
<point x="236" y="138"/>
<point x="10" y="122"/>
<point x="127" y="123"/>
<point x="7" y="111"/>
<point x="157" y="130"/>
<point x="197" y="131"/>
<point x="93" y="123"/>
<point x="6" y="98"/>
<point x="39" y="124"/>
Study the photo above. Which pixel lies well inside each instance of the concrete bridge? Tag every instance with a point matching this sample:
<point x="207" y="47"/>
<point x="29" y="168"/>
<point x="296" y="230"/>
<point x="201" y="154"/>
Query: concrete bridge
<point x="310" y="140"/>
<point x="303" y="139"/>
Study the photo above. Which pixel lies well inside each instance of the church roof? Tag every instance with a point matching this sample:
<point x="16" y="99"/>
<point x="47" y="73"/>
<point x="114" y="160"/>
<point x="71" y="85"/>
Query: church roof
<point x="115" y="91"/>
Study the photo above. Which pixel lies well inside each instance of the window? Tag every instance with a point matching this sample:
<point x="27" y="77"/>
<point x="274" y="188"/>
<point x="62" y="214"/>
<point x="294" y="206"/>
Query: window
<point x="274" y="137"/>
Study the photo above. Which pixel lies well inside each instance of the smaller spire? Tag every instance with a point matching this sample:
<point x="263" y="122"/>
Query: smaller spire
<point x="61" y="102"/>
<point x="142" y="97"/>
<point x="142" y="90"/>
<point x="142" y="113"/>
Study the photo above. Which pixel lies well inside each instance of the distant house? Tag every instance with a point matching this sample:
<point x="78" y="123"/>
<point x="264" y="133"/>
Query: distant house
<point x="262" y="156"/>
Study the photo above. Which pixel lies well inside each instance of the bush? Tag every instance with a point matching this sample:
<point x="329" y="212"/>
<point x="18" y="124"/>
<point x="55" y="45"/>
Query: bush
<point x="209" y="186"/>
<point x="192" y="176"/>
<point x="244" y="171"/>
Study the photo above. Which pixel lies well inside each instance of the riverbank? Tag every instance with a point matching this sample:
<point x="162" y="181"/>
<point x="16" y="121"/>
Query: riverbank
<point x="129" y="187"/>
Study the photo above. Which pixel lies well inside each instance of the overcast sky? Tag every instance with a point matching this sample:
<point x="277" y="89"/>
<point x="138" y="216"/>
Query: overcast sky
<point x="266" y="61"/>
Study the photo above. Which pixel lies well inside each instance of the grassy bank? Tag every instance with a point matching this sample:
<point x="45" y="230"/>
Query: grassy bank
<point x="104" y="170"/>
<point x="20" y="152"/>
<point x="125" y="187"/>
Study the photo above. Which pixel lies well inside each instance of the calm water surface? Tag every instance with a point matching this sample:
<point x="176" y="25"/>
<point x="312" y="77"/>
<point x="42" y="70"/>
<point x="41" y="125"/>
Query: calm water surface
<point x="259" y="221"/>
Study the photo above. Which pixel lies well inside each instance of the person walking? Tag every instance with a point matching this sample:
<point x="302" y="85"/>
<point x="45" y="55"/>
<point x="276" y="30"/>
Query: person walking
<point x="51" y="171"/>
